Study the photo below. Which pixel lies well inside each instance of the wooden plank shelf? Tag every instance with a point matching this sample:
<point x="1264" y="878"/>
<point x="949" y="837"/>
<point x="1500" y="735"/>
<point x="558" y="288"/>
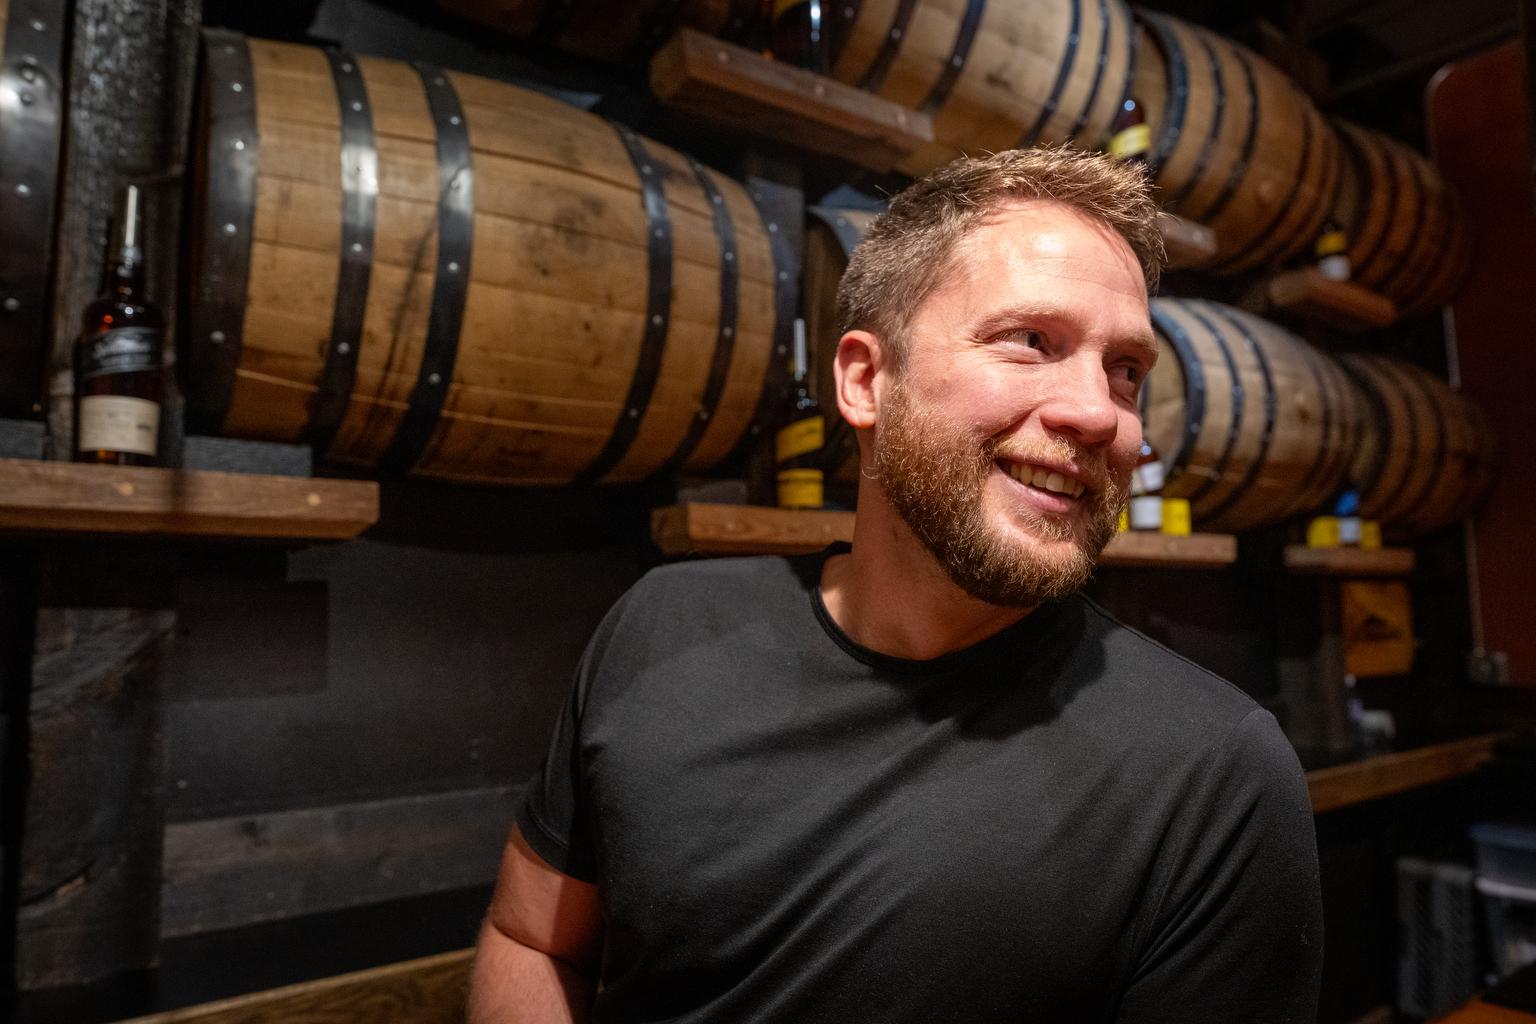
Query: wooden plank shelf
<point x="1351" y="562"/>
<point x="65" y="498"/>
<point x="701" y="528"/>
<point x="1375" y="777"/>
<point x="748" y="92"/>
<point x="1342" y="304"/>
<point x="1188" y="244"/>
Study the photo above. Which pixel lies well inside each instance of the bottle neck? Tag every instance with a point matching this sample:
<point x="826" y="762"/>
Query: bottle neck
<point x="123" y="273"/>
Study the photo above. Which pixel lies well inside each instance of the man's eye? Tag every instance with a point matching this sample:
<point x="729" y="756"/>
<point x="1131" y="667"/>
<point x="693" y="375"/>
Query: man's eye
<point x="1026" y="337"/>
<point x="1133" y="374"/>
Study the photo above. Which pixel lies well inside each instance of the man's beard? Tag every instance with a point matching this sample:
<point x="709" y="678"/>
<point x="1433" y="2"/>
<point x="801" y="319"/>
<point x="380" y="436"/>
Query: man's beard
<point x="936" y="475"/>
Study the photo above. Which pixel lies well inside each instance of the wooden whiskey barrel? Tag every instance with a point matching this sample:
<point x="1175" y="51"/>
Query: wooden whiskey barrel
<point x="1406" y="236"/>
<point x="994" y="75"/>
<point x="423" y="271"/>
<point x="1427" y="453"/>
<point x="1237" y="146"/>
<point x="34" y="78"/>
<point x="830" y="238"/>
<point x="1254" y="425"/>
<point x="619" y="31"/>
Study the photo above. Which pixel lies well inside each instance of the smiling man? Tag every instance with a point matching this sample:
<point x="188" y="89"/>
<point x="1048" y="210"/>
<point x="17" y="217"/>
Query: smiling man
<point x="919" y="778"/>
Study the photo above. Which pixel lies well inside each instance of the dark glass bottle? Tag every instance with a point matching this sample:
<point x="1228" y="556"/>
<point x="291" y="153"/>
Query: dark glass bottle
<point x="119" y="383"/>
<point x="1131" y="137"/>
<point x="798" y="445"/>
<point x="800" y="34"/>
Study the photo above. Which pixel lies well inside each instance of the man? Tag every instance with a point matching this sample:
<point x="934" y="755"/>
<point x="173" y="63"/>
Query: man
<point x="919" y="780"/>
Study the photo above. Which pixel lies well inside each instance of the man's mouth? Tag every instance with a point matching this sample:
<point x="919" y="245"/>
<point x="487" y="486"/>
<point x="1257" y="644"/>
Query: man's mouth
<point x="1044" y="478"/>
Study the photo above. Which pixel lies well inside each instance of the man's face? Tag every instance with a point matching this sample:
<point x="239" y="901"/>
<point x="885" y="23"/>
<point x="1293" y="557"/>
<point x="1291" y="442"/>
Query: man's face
<point x="1007" y="441"/>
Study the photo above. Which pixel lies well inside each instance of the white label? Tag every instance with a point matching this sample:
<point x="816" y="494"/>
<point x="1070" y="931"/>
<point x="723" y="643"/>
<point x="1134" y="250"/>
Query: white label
<point x="1147" y="513"/>
<point x="1147" y="479"/>
<point x="115" y="423"/>
<point x="1349" y="529"/>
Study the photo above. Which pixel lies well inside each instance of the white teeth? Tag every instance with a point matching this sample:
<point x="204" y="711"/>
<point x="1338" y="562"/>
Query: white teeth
<point x="1045" y="479"/>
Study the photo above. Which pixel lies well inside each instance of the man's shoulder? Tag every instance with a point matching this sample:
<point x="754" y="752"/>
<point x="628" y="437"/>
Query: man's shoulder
<point x="1157" y="691"/>
<point x="708" y="581"/>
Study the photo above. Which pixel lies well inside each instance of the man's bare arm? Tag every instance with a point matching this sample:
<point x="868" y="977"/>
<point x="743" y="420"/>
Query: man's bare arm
<point x="536" y="959"/>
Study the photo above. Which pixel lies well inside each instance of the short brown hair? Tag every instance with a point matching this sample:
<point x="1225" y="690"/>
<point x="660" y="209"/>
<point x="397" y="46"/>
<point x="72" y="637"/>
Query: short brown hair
<point x="906" y="252"/>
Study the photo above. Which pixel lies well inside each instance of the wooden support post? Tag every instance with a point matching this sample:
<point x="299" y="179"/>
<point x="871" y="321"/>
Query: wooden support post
<point x="18" y="622"/>
<point x="1312" y="669"/>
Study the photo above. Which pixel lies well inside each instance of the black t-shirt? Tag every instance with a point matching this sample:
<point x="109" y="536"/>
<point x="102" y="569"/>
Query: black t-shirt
<point x="1066" y="822"/>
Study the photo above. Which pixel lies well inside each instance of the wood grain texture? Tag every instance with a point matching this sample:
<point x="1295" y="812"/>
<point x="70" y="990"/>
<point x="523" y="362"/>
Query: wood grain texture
<point x="557" y="298"/>
<point x="431" y="990"/>
<point x="743" y="90"/>
<point x="705" y="529"/>
<point x="1188" y="244"/>
<point x="1376" y="777"/>
<point x="1347" y="305"/>
<point x="70" y="498"/>
<point x="1348" y="561"/>
<point x="1274" y="422"/>
<point x="1479" y="1012"/>
<point x="240" y="870"/>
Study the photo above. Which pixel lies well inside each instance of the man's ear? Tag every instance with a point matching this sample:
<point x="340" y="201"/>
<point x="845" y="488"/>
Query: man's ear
<point x="860" y="358"/>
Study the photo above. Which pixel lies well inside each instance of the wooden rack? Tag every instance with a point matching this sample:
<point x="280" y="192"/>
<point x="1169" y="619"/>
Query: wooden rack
<point x="64" y="498"/>
<point x="1376" y="777"/>
<point x="1307" y="293"/>
<point x="747" y="92"/>
<point x="1351" y="562"/>
<point x="700" y="528"/>
<point x="1188" y="244"/>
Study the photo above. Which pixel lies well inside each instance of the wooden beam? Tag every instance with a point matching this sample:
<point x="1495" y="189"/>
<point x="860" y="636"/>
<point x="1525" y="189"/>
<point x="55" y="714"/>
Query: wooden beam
<point x="1376" y="777"/>
<point x="431" y="990"/>
<point x="71" y="498"/>
<point x="1166" y="551"/>
<point x="1188" y="244"/>
<point x="699" y="528"/>
<point x="1342" y="304"/>
<point x="747" y="92"/>
<point x="1348" y="561"/>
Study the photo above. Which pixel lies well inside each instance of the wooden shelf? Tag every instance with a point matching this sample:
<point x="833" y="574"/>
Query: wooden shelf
<point x="1342" y="304"/>
<point x="699" y="528"/>
<point x="69" y="498"/>
<point x="1188" y="244"/>
<point x="1376" y="777"/>
<point x="1161" y="550"/>
<point x="745" y="91"/>
<point x="1348" y="561"/>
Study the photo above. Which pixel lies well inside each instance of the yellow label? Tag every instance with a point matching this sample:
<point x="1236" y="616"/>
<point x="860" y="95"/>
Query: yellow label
<point x="1370" y="533"/>
<point x="1323" y="532"/>
<point x="1130" y="142"/>
<point x="116" y="423"/>
<point x="1331" y="242"/>
<point x="800" y="488"/>
<point x="1177" y="521"/>
<point x="802" y="436"/>
<point x="1125" y="520"/>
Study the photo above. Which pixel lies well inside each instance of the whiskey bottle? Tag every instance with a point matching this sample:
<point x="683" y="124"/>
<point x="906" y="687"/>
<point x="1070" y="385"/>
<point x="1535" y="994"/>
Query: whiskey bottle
<point x="119" y="382"/>
<point x="1146" y="490"/>
<point x="1332" y="252"/>
<point x="797" y="449"/>
<point x="1131" y="137"/>
<point x="800" y="34"/>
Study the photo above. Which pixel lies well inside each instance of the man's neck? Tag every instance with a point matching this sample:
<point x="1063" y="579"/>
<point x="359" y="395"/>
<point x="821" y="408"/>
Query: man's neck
<point x="891" y="595"/>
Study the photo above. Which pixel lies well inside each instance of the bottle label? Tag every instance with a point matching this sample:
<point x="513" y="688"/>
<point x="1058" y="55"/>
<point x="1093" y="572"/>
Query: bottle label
<point x="1132" y="141"/>
<point x="1147" y="513"/>
<point x="1147" y="478"/>
<point x="800" y="488"/>
<point x="116" y="423"/>
<point x="1331" y="242"/>
<point x="800" y="437"/>
<point x="1177" y="520"/>
<point x="120" y="350"/>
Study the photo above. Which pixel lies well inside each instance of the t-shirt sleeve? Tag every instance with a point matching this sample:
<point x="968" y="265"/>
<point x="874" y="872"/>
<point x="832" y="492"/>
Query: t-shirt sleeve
<point x="1234" y="924"/>
<point x="555" y="816"/>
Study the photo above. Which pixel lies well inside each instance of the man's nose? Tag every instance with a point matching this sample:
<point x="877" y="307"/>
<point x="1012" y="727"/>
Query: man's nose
<point x="1079" y="405"/>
